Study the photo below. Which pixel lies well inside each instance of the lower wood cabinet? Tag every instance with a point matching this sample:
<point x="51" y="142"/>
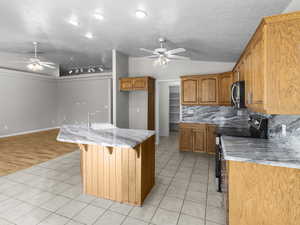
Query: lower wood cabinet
<point x="196" y="137"/>
<point x="199" y="139"/>
<point x="211" y="139"/>
<point x="186" y="142"/>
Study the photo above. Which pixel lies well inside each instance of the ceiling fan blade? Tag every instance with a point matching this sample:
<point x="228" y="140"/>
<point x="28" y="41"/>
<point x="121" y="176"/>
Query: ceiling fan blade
<point x="149" y="51"/>
<point x="153" y="56"/>
<point x="46" y="65"/>
<point x="177" y="57"/>
<point x="175" y="51"/>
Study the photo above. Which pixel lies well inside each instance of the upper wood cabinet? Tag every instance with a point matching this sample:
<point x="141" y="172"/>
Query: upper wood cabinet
<point x="213" y="89"/>
<point x="270" y="66"/>
<point x="135" y="83"/>
<point x="225" y="82"/>
<point x="126" y="84"/>
<point x="189" y="89"/>
<point x="142" y="84"/>
<point x="208" y="90"/>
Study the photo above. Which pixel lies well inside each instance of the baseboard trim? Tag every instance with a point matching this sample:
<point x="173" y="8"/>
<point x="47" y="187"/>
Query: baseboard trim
<point x="28" y="132"/>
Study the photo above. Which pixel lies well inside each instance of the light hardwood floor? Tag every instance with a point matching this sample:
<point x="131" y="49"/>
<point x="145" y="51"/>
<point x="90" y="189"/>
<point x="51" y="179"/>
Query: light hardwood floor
<point x="23" y="151"/>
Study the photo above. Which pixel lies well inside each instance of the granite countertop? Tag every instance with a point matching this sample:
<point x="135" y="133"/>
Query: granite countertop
<point x="261" y="151"/>
<point x="112" y="137"/>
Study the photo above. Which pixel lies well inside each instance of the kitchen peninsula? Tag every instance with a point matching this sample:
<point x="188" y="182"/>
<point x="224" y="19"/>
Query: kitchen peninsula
<point x="116" y="164"/>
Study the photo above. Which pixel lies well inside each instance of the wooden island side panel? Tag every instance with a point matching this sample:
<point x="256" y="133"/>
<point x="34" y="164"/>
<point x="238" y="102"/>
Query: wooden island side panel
<point x="120" y="174"/>
<point x="263" y="194"/>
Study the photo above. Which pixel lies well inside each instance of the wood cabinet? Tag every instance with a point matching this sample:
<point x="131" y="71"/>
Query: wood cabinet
<point x="270" y="66"/>
<point x="135" y="83"/>
<point x="211" y="138"/>
<point x="213" y="89"/>
<point x="208" y="90"/>
<point x="146" y="84"/>
<point x="189" y="91"/>
<point x="197" y="137"/>
<point x="186" y="142"/>
<point x="225" y="82"/>
<point x="126" y="84"/>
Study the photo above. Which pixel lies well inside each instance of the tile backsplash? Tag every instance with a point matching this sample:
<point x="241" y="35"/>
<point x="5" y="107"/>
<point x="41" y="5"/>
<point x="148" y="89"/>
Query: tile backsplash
<point x="219" y="115"/>
<point x="292" y="123"/>
<point x="230" y="117"/>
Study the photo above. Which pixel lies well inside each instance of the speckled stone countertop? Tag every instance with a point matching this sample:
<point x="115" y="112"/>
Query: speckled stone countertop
<point x="113" y="137"/>
<point x="261" y="151"/>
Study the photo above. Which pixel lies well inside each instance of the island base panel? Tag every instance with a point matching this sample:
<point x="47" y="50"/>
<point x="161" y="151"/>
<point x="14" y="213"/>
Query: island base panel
<point x="120" y="174"/>
<point x="263" y="194"/>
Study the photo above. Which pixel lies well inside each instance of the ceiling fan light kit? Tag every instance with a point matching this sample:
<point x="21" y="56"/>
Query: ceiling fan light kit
<point x="164" y="56"/>
<point x="35" y="67"/>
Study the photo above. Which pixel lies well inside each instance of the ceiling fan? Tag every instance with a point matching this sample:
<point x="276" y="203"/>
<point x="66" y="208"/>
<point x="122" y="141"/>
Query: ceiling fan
<point x="163" y="55"/>
<point x="35" y="64"/>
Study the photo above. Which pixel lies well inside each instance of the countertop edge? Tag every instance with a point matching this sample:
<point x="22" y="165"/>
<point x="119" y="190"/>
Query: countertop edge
<point x="267" y="163"/>
<point x="257" y="161"/>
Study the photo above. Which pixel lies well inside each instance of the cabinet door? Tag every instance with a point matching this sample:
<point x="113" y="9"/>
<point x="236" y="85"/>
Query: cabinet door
<point x="225" y="82"/>
<point x="208" y="90"/>
<point x="199" y="140"/>
<point x="186" y="141"/>
<point x="140" y="83"/>
<point x="211" y="139"/>
<point x="189" y="88"/>
<point x="258" y="71"/>
<point x="125" y="84"/>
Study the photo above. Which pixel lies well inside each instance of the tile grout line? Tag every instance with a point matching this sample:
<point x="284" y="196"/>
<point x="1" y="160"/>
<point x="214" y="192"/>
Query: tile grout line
<point x="186" y="191"/>
<point x="167" y="187"/>
<point x="209" y="164"/>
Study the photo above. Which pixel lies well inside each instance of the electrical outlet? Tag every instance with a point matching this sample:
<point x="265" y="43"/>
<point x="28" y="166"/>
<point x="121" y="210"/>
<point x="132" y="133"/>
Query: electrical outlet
<point x="283" y="130"/>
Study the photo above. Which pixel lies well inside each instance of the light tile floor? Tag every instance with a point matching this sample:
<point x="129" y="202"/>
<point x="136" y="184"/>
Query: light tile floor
<point x="51" y="194"/>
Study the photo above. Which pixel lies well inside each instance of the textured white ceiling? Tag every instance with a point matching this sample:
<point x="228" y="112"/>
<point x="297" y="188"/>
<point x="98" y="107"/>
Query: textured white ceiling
<point x="211" y="30"/>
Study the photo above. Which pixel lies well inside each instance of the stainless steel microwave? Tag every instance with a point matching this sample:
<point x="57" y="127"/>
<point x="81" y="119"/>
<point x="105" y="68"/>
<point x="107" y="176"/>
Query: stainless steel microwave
<point x="238" y="94"/>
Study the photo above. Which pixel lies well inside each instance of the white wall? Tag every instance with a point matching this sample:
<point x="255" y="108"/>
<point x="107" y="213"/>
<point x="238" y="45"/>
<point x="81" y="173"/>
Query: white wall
<point x="28" y="102"/>
<point x="120" y="99"/>
<point x="293" y="6"/>
<point x="138" y="110"/>
<point x="32" y="102"/>
<point x="80" y="96"/>
<point x="175" y="69"/>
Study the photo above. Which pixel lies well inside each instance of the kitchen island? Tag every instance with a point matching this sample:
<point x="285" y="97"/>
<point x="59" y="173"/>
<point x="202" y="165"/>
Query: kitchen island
<point x="116" y="164"/>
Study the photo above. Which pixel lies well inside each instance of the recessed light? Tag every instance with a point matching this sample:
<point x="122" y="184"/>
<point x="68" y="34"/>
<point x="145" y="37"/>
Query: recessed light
<point x="89" y="35"/>
<point x="98" y="16"/>
<point x="140" y="14"/>
<point x="74" y="21"/>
